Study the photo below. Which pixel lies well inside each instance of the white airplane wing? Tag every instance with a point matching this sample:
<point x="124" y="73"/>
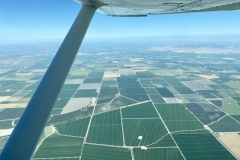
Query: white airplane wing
<point x="152" y="7"/>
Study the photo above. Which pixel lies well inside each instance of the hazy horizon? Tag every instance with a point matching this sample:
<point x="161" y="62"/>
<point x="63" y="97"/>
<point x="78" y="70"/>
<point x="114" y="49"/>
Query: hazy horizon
<point x="215" y="38"/>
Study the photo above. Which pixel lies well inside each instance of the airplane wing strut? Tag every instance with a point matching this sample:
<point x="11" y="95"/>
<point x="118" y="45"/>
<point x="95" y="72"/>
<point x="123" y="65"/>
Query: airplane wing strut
<point x="24" y="138"/>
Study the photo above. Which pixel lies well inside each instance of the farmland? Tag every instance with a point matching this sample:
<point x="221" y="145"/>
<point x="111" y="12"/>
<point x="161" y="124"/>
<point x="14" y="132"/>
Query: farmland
<point x="54" y="146"/>
<point x="128" y="105"/>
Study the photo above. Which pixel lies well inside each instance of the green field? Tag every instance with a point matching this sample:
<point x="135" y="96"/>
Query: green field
<point x="165" y="141"/>
<point x="108" y="91"/>
<point x="128" y="83"/>
<point x="151" y="131"/>
<point x="70" y="116"/>
<point x="151" y="91"/>
<point x="132" y="91"/>
<point x="95" y="74"/>
<point x="206" y="94"/>
<point x="108" y="128"/>
<point x="71" y="86"/>
<point x="178" y="118"/>
<point x="77" y="158"/>
<point x="85" y="93"/>
<point x="233" y="84"/>
<point x="32" y="87"/>
<point x="139" y="98"/>
<point x="96" y="152"/>
<point x="145" y="74"/>
<point x="61" y="102"/>
<point x="217" y="103"/>
<point x="202" y="147"/>
<point x="174" y="82"/>
<point x="164" y="92"/>
<point x="76" y="77"/>
<point x="111" y="118"/>
<point x="237" y="99"/>
<point x="147" y="103"/>
<point x="237" y="117"/>
<point x="156" y="99"/>
<point x="6" y="124"/>
<point x="226" y="124"/>
<point x="74" y="128"/>
<point x="230" y="92"/>
<point x="184" y="90"/>
<point x="66" y="93"/>
<point x="143" y="110"/>
<point x="109" y="83"/>
<point x="110" y="134"/>
<point x="157" y="154"/>
<point x="55" y="146"/>
<point x="3" y="140"/>
<point x="11" y="113"/>
<point x="92" y="80"/>
<point x="147" y="85"/>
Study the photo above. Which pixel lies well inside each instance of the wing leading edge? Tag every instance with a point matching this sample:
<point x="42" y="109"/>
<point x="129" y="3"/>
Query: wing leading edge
<point x="152" y="7"/>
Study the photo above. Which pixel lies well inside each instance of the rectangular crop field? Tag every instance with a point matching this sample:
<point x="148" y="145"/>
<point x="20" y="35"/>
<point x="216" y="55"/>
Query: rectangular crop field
<point x="237" y="117"/>
<point x="111" y="117"/>
<point x="184" y="90"/>
<point x="92" y="80"/>
<point x="6" y="124"/>
<point x="157" y="154"/>
<point x="106" y="128"/>
<point x="156" y="99"/>
<point x="108" y="91"/>
<point x="226" y="124"/>
<point x="164" y="92"/>
<point x="74" y="128"/>
<point x="66" y="93"/>
<point x="178" y="118"/>
<point x="96" y="152"/>
<point x="106" y="134"/>
<point x="143" y="110"/>
<point x="151" y="131"/>
<point x="85" y="93"/>
<point x="11" y="113"/>
<point x="132" y="91"/>
<point x="61" y="103"/>
<point x="202" y="146"/>
<point x="151" y="91"/>
<point x="55" y="146"/>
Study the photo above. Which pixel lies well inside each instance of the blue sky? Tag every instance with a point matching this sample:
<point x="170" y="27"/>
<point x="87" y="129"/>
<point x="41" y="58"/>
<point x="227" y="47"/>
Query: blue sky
<point x="51" y="19"/>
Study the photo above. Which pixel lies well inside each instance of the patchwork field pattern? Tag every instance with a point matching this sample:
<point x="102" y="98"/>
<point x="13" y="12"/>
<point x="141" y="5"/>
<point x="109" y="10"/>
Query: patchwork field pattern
<point x="139" y="104"/>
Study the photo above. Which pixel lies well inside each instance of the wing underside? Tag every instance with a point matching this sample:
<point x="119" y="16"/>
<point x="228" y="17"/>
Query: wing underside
<point x="152" y="7"/>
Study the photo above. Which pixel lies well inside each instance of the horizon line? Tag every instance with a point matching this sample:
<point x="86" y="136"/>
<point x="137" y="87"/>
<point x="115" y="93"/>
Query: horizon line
<point x="104" y="38"/>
